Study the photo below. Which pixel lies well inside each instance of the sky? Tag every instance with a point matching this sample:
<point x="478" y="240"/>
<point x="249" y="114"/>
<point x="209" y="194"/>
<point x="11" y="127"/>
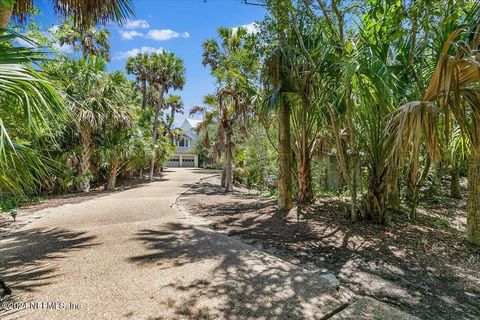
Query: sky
<point x="178" y="26"/>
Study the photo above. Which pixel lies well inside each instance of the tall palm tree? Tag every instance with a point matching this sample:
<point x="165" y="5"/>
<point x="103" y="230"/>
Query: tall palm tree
<point x="91" y="41"/>
<point x="234" y="64"/>
<point x="95" y="99"/>
<point x="295" y="77"/>
<point x="337" y="34"/>
<point x="276" y="74"/>
<point x="85" y="13"/>
<point x="175" y="104"/>
<point x="165" y="72"/>
<point x="138" y="66"/>
<point x="210" y="117"/>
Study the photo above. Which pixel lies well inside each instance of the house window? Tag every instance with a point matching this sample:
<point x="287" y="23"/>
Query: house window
<point x="183" y="142"/>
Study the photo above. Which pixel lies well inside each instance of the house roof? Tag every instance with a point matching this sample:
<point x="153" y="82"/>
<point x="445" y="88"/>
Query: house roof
<point x="194" y="122"/>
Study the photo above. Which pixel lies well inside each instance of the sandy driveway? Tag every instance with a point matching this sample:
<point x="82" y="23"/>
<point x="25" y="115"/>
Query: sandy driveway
<point x="132" y="255"/>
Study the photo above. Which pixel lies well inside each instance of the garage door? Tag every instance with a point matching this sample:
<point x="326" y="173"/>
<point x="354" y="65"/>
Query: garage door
<point x="173" y="162"/>
<point x="188" y="161"/>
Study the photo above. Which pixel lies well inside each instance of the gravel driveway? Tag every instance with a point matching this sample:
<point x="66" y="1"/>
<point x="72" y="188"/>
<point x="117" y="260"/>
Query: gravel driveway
<point x="134" y="255"/>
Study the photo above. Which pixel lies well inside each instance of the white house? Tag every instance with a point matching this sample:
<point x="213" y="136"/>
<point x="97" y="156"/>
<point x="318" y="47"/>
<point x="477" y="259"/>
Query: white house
<point x="185" y="155"/>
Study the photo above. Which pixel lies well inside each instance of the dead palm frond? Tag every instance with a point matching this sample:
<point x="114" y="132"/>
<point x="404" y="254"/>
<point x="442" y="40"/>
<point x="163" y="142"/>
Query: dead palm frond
<point x="84" y="13"/>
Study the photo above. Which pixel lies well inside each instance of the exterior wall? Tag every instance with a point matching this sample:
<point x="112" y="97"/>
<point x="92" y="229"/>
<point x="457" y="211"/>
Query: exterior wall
<point x="181" y="152"/>
<point x="181" y="163"/>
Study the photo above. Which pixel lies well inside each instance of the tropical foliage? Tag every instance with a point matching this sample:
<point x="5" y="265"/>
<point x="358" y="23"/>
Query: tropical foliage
<point x="389" y="89"/>
<point x="384" y="96"/>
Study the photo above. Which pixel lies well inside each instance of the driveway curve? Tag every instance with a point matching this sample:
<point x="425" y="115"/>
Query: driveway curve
<point x="134" y="255"/>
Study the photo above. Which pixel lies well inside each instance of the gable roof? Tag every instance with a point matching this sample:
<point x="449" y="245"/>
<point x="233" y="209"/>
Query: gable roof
<point x="193" y="122"/>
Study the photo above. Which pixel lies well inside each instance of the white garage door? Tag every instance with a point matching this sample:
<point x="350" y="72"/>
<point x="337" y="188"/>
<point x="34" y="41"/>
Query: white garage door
<point x="173" y="162"/>
<point x="188" y="161"/>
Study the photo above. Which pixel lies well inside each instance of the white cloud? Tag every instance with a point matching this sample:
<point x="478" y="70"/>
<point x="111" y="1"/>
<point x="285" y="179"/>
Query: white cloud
<point x="24" y="43"/>
<point x="165" y="34"/>
<point x="135" y="51"/>
<point x="53" y="28"/>
<point x="137" y="24"/>
<point x="129" y="35"/>
<point x="50" y="33"/>
<point x="162" y="35"/>
<point x="252" y="28"/>
<point x="66" y="48"/>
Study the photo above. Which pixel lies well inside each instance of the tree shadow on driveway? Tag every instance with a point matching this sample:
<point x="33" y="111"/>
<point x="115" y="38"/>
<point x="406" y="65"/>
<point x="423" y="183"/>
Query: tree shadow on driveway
<point x="240" y="282"/>
<point x="24" y="253"/>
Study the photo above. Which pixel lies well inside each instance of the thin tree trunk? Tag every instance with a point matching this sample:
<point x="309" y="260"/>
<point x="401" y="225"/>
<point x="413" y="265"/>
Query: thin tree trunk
<point x="84" y="163"/>
<point x="228" y="162"/>
<point x="394" y="193"/>
<point x="473" y="202"/>
<point x="224" y="175"/>
<point x="5" y="15"/>
<point x="437" y="180"/>
<point x="353" y="150"/>
<point x="304" y="171"/>
<point x="155" y="136"/>
<point x="455" y="180"/>
<point x="140" y="174"/>
<point x="285" y="201"/>
<point x="144" y="94"/>
<point x="414" y="183"/>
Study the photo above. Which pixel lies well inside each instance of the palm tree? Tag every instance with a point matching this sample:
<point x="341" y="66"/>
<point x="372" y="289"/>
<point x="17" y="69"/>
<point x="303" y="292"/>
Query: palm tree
<point x="29" y="95"/>
<point x="95" y="99"/>
<point x="334" y="20"/>
<point x="138" y="66"/>
<point x="175" y="104"/>
<point x="295" y="76"/>
<point x="454" y="85"/>
<point x="85" y="13"/>
<point x="233" y="63"/>
<point x="91" y="41"/>
<point x="276" y="74"/>
<point x="210" y="117"/>
<point x="165" y="72"/>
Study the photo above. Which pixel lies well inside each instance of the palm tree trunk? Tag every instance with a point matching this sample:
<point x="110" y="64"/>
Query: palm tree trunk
<point x="455" y="180"/>
<point x="228" y="161"/>
<point x="84" y="163"/>
<point x="414" y="183"/>
<point x="473" y="202"/>
<point x="394" y="193"/>
<point x="112" y="176"/>
<point x="155" y="136"/>
<point x="354" y="154"/>
<point x="437" y="180"/>
<point x="377" y="196"/>
<point x="144" y="94"/>
<point x="5" y="15"/>
<point x="224" y="175"/>
<point x="304" y="171"/>
<point x="284" y="159"/>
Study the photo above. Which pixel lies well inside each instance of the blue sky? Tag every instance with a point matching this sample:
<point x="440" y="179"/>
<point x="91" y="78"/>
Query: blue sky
<point x="178" y="26"/>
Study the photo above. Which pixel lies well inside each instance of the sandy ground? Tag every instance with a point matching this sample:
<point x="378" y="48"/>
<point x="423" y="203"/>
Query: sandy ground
<point x="425" y="267"/>
<point x="134" y="255"/>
